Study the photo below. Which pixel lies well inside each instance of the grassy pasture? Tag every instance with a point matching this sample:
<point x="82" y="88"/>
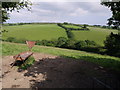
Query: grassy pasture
<point x="96" y="34"/>
<point x="34" y="32"/>
<point x="52" y="31"/>
<point x="112" y="63"/>
<point x="72" y="26"/>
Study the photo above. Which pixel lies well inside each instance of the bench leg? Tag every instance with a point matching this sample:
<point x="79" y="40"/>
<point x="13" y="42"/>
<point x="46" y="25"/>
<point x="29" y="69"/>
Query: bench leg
<point x="13" y="63"/>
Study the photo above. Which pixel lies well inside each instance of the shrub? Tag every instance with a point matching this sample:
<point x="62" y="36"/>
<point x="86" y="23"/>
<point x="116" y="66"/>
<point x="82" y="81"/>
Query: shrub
<point x="21" y="40"/>
<point x="90" y="43"/>
<point x="61" y="41"/>
<point x="27" y="63"/>
<point x="112" y="44"/>
<point x="70" y="44"/>
<point x="80" y="44"/>
<point x="44" y="42"/>
<point x="90" y="49"/>
<point x="11" y="39"/>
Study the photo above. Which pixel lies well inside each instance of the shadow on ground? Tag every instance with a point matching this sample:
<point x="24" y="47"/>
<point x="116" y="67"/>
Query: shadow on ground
<point x="110" y="64"/>
<point x="64" y="73"/>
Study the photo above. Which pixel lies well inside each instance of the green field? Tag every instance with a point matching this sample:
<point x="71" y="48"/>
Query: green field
<point x="112" y="63"/>
<point x="52" y="31"/>
<point x="96" y="34"/>
<point x="72" y="26"/>
<point x="34" y="32"/>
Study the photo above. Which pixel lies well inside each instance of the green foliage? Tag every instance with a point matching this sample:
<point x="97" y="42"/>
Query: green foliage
<point x="115" y="8"/>
<point x="52" y="31"/>
<point x="61" y="41"/>
<point x="65" y="23"/>
<point x="90" y="43"/>
<point x="112" y="44"/>
<point x="70" y="43"/>
<point x="11" y="39"/>
<point x="112" y="63"/>
<point x="27" y="63"/>
<point x="70" y="34"/>
<point x="69" y="26"/>
<point x="80" y="44"/>
<point x="11" y="6"/>
<point x="87" y="45"/>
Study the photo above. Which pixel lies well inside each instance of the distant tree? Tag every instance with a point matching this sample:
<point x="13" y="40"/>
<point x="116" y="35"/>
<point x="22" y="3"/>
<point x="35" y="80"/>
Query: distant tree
<point x="84" y="26"/>
<point x="65" y="23"/>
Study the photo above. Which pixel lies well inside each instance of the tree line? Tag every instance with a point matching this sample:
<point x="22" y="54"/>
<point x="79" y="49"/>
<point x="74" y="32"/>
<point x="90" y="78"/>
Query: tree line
<point x="84" y="27"/>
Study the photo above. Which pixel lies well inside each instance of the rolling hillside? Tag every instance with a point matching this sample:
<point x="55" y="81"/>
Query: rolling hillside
<point x="52" y="31"/>
<point x="34" y="32"/>
<point x="95" y="34"/>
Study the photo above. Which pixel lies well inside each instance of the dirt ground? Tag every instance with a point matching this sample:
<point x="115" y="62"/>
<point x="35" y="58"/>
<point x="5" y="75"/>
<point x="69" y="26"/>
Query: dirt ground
<point x="51" y="71"/>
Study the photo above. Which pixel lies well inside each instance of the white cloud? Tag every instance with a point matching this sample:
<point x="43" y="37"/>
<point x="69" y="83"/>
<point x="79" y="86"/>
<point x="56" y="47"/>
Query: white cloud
<point x="65" y="0"/>
<point x="79" y="12"/>
<point x="37" y="9"/>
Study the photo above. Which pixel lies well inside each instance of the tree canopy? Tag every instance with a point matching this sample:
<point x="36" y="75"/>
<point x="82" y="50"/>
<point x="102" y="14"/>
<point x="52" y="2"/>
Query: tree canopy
<point x="11" y="6"/>
<point x="115" y="8"/>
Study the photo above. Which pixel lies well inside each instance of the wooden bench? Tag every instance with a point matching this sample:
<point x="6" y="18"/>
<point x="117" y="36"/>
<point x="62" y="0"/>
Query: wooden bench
<point x="22" y="56"/>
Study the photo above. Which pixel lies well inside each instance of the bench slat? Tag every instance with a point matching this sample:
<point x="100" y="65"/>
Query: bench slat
<point x="23" y="55"/>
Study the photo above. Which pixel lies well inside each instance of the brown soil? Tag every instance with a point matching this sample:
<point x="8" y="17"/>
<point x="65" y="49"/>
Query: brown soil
<point x="51" y="71"/>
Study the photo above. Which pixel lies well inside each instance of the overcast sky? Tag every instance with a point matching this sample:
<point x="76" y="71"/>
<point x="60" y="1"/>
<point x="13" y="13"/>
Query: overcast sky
<point x="73" y="12"/>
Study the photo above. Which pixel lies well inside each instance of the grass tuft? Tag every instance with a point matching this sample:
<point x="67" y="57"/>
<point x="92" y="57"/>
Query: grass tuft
<point x="27" y="63"/>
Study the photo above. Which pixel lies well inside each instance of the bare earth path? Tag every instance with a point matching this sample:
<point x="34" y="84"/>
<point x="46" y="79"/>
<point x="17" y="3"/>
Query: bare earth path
<point x="51" y="71"/>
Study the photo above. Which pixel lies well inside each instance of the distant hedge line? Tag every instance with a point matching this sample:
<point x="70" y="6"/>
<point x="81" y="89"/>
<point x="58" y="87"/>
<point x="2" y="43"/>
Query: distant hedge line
<point x="112" y="44"/>
<point x="62" y="42"/>
<point x="66" y="28"/>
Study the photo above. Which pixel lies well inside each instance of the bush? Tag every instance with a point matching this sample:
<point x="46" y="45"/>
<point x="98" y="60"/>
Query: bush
<point x="27" y="63"/>
<point x="70" y="44"/>
<point x="112" y="44"/>
<point x="80" y="44"/>
<point x="61" y="41"/>
<point x="22" y="40"/>
<point x="90" y="43"/>
<point x="11" y="39"/>
<point x="44" y="42"/>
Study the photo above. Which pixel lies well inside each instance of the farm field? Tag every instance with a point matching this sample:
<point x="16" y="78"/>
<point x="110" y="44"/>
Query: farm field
<point x="52" y="31"/>
<point x="72" y="26"/>
<point x="34" y="32"/>
<point x="112" y="63"/>
<point x="95" y="34"/>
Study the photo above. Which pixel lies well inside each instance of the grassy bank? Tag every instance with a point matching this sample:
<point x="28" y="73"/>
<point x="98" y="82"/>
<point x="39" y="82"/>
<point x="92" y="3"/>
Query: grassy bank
<point x="112" y="63"/>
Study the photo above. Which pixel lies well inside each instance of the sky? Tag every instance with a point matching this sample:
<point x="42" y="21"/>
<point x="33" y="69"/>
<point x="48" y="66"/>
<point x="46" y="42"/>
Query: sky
<point x="72" y="11"/>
